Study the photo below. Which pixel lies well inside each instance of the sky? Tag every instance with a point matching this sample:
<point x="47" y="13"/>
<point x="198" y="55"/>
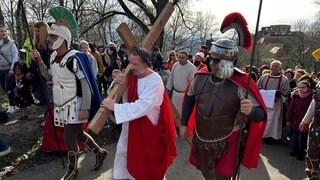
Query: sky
<point x="273" y="11"/>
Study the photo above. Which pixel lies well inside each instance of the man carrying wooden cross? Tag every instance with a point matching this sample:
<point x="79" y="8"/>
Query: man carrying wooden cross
<point x="146" y="145"/>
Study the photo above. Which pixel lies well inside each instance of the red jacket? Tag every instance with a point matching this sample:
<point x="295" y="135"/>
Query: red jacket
<point x="298" y="107"/>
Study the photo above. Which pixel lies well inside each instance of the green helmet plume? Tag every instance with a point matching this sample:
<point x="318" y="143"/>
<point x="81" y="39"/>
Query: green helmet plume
<point x="64" y="16"/>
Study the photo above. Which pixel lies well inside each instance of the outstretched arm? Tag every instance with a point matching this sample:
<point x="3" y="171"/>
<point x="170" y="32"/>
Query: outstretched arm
<point x="35" y="55"/>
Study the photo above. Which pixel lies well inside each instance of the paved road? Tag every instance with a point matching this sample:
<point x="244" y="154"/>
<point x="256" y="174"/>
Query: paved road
<point x="275" y="164"/>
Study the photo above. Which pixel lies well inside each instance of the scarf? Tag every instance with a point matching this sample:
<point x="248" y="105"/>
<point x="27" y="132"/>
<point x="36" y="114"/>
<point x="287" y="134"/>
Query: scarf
<point x="303" y="95"/>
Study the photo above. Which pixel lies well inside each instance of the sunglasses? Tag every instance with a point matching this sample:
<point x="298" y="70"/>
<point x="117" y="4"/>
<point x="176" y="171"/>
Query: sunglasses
<point x="215" y="60"/>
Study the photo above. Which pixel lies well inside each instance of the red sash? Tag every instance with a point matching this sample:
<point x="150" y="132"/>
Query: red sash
<point x="151" y="148"/>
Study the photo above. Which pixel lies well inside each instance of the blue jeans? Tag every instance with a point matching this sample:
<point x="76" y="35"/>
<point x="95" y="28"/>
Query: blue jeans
<point x="3" y="144"/>
<point x="299" y="140"/>
<point x="1" y="108"/>
<point x="7" y="84"/>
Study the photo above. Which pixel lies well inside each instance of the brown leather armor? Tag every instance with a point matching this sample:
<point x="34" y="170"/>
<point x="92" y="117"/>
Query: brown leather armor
<point x="217" y="107"/>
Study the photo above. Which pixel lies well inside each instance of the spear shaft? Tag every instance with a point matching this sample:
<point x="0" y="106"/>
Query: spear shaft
<point x="240" y="149"/>
<point x="26" y="21"/>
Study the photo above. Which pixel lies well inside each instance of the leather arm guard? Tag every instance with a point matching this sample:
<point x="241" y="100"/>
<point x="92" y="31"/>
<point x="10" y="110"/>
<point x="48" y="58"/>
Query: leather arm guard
<point x="257" y="114"/>
<point x="86" y="94"/>
<point x="187" y="108"/>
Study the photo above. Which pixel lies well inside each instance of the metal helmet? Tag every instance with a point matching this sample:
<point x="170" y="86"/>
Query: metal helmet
<point x="63" y="33"/>
<point x="225" y="48"/>
<point x="227" y="51"/>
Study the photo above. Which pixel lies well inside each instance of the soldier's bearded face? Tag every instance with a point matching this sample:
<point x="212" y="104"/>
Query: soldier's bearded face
<point x="51" y="39"/>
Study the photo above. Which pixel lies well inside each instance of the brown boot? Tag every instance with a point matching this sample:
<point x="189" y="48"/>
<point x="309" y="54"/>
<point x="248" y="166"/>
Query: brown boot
<point x="312" y="169"/>
<point x="101" y="154"/>
<point x="72" y="166"/>
<point x="208" y="174"/>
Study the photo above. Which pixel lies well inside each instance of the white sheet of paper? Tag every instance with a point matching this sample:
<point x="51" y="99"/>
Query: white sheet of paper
<point x="268" y="97"/>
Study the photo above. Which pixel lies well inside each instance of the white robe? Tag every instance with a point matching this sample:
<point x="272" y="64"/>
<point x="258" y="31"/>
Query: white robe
<point x="150" y="96"/>
<point x="274" y="122"/>
<point x="309" y="116"/>
<point x="275" y="115"/>
<point x="181" y="76"/>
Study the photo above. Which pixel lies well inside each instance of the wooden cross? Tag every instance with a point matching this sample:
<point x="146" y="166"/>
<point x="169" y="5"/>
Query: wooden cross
<point x="127" y="37"/>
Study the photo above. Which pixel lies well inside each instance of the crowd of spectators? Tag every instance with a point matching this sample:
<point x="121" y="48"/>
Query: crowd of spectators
<point x="112" y="57"/>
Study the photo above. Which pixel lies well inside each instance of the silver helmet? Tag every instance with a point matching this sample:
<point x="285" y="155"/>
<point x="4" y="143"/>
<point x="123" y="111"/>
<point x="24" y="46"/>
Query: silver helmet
<point x="227" y="51"/>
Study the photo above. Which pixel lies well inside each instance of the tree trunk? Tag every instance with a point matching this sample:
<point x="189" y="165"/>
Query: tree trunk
<point x="19" y="35"/>
<point x="1" y="17"/>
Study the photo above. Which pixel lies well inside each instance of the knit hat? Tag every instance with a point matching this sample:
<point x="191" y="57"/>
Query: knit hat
<point x="201" y="54"/>
<point x="83" y="42"/>
<point x="111" y="44"/>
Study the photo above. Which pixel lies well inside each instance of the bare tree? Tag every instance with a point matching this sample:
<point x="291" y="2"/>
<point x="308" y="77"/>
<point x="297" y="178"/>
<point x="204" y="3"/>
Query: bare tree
<point x="38" y="10"/>
<point x="314" y="36"/>
<point x="188" y="30"/>
<point x="1" y="17"/>
<point x="177" y="35"/>
<point x="20" y="23"/>
<point x="205" y="25"/>
<point x="8" y="9"/>
<point x="146" y="9"/>
<point x="297" y="43"/>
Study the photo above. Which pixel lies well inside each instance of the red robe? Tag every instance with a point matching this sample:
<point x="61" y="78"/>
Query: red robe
<point x="151" y="148"/>
<point x="50" y="142"/>
<point x="256" y="129"/>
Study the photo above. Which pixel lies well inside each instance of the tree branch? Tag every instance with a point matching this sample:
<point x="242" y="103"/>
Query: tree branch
<point x="105" y="16"/>
<point x="145" y="9"/>
<point x="130" y="15"/>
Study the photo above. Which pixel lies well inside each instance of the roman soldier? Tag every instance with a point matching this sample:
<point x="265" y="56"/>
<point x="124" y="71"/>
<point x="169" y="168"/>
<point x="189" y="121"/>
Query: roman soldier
<point x="221" y="109"/>
<point x="75" y="92"/>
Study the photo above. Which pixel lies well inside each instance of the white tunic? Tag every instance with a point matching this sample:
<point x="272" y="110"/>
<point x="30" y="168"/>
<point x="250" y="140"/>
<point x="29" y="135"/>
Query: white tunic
<point x="150" y="96"/>
<point x="180" y="77"/>
<point x="309" y="116"/>
<point x="275" y="118"/>
<point x="62" y="77"/>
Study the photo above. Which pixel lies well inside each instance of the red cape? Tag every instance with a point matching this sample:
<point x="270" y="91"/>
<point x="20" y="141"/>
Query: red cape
<point x="50" y="141"/>
<point x="256" y="129"/>
<point x="202" y="68"/>
<point x="151" y="148"/>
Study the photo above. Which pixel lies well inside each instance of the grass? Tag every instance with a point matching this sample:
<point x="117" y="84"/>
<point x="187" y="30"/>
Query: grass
<point x="24" y="137"/>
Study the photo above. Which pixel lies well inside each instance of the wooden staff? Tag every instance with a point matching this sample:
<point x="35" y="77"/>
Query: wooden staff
<point x="103" y="114"/>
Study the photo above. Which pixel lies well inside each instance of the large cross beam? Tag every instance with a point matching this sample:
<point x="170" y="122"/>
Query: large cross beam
<point x="127" y="37"/>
